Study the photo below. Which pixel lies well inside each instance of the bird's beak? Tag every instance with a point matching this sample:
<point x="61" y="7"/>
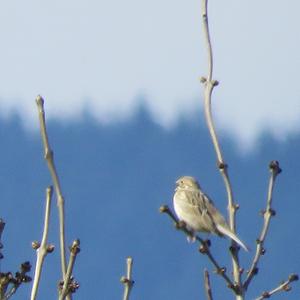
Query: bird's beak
<point x="178" y="181"/>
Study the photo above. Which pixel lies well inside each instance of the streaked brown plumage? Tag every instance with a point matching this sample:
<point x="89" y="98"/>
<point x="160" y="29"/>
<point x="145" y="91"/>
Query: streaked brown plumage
<point x="199" y="213"/>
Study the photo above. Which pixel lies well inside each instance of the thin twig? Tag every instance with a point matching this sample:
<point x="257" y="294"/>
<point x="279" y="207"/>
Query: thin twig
<point x="67" y="287"/>
<point x="207" y="285"/>
<point x="282" y="287"/>
<point x="209" y="85"/>
<point x="43" y="249"/>
<point x="16" y="281"/>
<point x="2" y="225"/>
<point x="11" y="292"/>
<point x="204" y="248"/>
<point x="51" y="165"/>
<point x="267" y="214"/>
<point x="4" y="280"/>
<point x="127" y="280"/>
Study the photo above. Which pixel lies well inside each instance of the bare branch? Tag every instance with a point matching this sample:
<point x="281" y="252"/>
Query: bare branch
<point x="267" y="214"/>
<point x="127" y="280"/>
<point x="69" y="284"/>
<point x="20" y="278"/>
<point x="209" y="85"/>
<point x="207" y="285"/>
<point x="2" y="225"/>
<point x="282" y="287"/>
<point x="51" y="165"/>
<point x="42" y="249"/>
<point x="204" y="248"/>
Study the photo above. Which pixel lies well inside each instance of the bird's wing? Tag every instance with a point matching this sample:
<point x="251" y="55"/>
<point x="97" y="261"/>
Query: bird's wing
<point x="211" y="219"/>
<point x="210" y="214"/>
<point x="204" y="207"/>
<point x="194" y="199"/>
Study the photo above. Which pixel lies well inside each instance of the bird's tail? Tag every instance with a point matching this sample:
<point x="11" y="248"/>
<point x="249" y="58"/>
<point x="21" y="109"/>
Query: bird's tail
<point x="230" y="234"/>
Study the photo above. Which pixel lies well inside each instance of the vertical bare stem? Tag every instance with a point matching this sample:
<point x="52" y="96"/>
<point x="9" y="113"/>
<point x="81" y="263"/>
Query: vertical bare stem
<point x="51" y="165"/>
<point x="268" y="213"/>
<point x="207" y="285"/>
<point x="67" y="285"/>
<point x="42" y="250"/>
<point x="127" y="281"/>
<point x="209" y="85"/>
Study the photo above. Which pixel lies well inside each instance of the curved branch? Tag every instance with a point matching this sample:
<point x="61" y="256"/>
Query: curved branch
<point x="209" y="85"/>
<point x="267" y="214"/>
<point x="52" y="169"/>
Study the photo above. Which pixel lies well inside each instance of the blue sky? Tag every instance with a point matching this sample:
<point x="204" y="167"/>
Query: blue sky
<point x="123" y="104"/>
<point x="114" y="179"/>
<point x="103" y="57"/>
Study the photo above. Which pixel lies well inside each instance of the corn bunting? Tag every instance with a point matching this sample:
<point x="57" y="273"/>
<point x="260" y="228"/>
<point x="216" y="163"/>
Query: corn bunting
<point x="198" y="212"/>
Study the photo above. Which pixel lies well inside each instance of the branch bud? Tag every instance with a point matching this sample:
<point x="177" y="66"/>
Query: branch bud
<point x="274" y="167"/>
<point x="203" y="79"/>
<point x="180" y="225"/>
<point x="164" y="209"/>
<point x="75" y="249"/>
<point x="35" y="245"/>
<point x="215" y="82"/>
<point x="258" y="241"/>
<point x="293" y="277"/>
<point x="263" y="251"/>
<point x="203" y="249"/>
<point x="39" y="100"/>
<point x="255" y="271"/>
<point x="221" y="271"/>
<point x="265" y="295"/>
<point x="222" y="165"/>
<point x="272" y="212"/>
<point x="50" y="248"/>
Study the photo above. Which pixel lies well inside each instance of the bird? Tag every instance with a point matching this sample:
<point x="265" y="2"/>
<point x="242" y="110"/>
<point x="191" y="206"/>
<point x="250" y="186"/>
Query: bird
<point x="198" y="211"/>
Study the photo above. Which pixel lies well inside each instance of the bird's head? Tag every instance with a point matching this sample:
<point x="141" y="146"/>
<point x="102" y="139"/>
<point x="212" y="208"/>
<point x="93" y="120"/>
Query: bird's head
<point x="187" y="182"/>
